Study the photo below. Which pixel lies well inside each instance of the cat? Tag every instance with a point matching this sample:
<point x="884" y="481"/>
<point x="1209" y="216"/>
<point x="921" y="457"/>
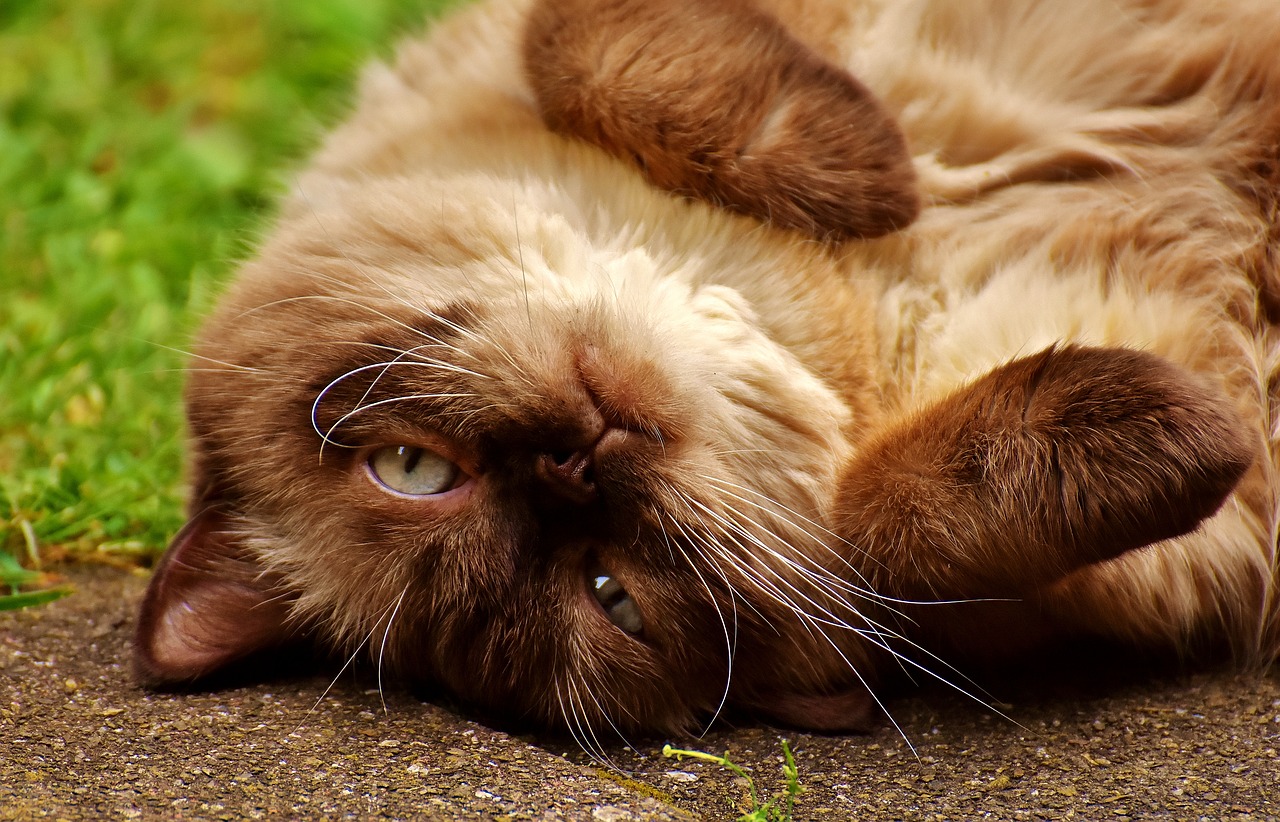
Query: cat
<point x="621" y="362"/>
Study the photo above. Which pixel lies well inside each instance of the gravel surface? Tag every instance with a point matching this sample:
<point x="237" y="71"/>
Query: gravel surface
<point x="78" y="740"/>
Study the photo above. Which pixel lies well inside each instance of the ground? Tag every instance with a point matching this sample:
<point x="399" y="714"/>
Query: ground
<point x="79" y="740"/>
<point x="141" y="145"/>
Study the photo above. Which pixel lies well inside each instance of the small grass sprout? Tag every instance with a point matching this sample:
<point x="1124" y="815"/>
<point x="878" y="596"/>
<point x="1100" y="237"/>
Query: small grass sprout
<point x="13" y="578"/>
<point x="777" y="809"/>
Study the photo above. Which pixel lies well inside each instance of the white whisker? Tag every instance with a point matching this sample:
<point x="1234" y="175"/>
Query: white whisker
<point x="383" y="647"/>
<point x="600" y="709"/>
<point x="874" y="631"/>
<point x="729" y="644"/>
<point x="192" y="355"/>
<point x="327" y="436"/>
<point x="865" y="593"/>
<point x="359" y="646"/>
<point x="524" y="272"/>
<point x="399" y="323"/>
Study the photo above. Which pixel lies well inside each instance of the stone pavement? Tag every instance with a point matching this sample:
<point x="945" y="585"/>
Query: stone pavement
<point x="79" y="741"/>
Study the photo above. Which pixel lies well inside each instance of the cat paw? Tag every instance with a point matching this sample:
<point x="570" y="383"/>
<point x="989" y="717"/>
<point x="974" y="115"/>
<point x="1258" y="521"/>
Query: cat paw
<point x="717" y="101"/>
<point x="1044" y="465"/>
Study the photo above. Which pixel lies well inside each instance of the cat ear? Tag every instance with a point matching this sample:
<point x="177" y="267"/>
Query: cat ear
<point x="208" y="605"/>
<point x="717" y="101"/>
<point x="1049" y="463"/>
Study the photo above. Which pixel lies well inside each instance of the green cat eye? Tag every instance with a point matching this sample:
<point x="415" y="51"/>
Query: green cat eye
<point x="408" y="469"/>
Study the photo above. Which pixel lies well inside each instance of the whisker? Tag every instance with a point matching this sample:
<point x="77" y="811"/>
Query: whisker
<point x="737" y="529"/>
<point x="866" y="593"/>
<point x="399" y="323"/>
<point x="765" y="586"/>
<point x="816" y="625"/>
<point x="399" y="352"/>
<point x="189" y="369"/>
<point x="730" y="645"/>
<point x="327" y="436"/>
<point x="429" y="364"/>
<point x="383" y="647"/>
<point x="873" y="628"/>
<point x="524" y="272"/>
<point x="386" y="367"/>
<point x="798" y="516"/>
<point x="594" y="749"/>
<point x="621" y="736"/>
<point x="194" y="356"/>
<point x="875" y="633"/>
<point x="568" y="723"/>
<point x="828" y="582"/>
<point x="342" y="670"/>
<point x="599" y="747"/>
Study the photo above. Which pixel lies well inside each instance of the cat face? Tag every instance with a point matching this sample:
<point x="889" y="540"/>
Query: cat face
<point x="567" y="484"/>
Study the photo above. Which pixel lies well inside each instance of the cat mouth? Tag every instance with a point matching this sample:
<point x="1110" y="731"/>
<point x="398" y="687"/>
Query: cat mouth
<point x="614" y="600"/>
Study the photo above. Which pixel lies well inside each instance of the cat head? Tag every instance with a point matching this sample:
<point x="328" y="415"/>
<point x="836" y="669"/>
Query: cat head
<point x="566" y="482"/>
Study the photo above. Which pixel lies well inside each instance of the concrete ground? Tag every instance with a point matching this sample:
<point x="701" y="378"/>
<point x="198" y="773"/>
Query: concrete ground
<point x="79" y="741"/>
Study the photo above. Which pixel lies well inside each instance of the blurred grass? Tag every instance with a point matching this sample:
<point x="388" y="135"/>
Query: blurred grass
<point x="142" y="143"/>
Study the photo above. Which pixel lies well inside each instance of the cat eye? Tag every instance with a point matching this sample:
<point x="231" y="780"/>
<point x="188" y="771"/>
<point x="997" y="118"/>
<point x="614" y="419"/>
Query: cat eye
<point x="408" y="469"/>
<point x="617" y="603"/>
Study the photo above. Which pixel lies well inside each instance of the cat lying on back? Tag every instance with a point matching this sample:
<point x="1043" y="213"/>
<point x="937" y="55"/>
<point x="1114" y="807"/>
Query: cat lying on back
<point x="619" y="361"/>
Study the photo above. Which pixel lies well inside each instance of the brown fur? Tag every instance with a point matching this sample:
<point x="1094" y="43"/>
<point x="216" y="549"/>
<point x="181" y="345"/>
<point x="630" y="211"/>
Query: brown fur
<point x="717" y="101"/>
<point x="1048" y="464"/>
<point x="1056" y="387"/>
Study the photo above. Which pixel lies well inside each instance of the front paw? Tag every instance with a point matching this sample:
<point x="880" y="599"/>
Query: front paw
<point x="1051" y="462"/>
<point x="715" y="100"/>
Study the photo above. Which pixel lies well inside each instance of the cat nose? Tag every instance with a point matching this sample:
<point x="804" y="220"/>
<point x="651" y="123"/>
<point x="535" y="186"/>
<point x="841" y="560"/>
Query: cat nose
<point x="569" y="476"/>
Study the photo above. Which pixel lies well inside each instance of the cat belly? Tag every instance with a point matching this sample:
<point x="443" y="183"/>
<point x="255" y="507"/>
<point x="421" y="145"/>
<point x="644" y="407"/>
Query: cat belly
<point x="1081" y="188"/>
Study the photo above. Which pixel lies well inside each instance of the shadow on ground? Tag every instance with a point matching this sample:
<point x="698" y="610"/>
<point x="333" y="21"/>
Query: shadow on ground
<point x="79" y="740"/>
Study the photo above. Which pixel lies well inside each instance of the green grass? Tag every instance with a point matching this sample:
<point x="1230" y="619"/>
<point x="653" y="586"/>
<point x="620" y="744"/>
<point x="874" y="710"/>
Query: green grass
<point x="142" y="144"/>
<point x="778" y="808"/>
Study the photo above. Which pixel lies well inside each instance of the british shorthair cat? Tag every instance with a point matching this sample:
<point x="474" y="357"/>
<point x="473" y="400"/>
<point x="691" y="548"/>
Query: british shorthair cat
<point x="618" y="362"/>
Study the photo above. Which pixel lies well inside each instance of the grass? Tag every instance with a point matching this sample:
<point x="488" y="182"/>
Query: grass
<point x="141" y="147"/>
<point x="779" y="808"/>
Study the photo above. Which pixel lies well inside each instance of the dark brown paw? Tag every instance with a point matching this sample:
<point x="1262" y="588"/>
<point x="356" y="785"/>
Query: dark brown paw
<point x="1054" y="461"/>
<point x="715" y="100"/>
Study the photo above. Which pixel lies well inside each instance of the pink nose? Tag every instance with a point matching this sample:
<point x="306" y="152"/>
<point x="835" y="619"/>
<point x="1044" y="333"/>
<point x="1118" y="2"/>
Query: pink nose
<point x="569" y="476"/>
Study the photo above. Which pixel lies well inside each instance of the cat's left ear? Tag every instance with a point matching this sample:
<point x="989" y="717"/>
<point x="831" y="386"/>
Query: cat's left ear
<point x="209" y="605"/>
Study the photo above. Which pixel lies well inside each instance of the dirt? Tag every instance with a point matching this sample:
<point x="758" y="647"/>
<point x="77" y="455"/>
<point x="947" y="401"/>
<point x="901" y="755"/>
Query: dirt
<point x="79" y="740"/>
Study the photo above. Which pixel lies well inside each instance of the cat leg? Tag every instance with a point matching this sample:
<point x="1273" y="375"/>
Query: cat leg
<point x="1212" y="591"/>
<point x="1043" y="466"/>
<point x="716" y="100"/>
<point x="1209" y="590"/>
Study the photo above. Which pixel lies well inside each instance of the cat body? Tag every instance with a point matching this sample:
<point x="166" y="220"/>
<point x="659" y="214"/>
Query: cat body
<point x="698" y="436"/>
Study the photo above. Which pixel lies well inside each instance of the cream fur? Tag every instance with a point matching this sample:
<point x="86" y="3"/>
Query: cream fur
<point x="1000" y="100"/>
<point x="1093" y="172"/>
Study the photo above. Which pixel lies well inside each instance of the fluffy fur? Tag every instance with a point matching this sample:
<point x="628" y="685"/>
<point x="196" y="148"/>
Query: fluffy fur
<point x="632" y="268"/>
